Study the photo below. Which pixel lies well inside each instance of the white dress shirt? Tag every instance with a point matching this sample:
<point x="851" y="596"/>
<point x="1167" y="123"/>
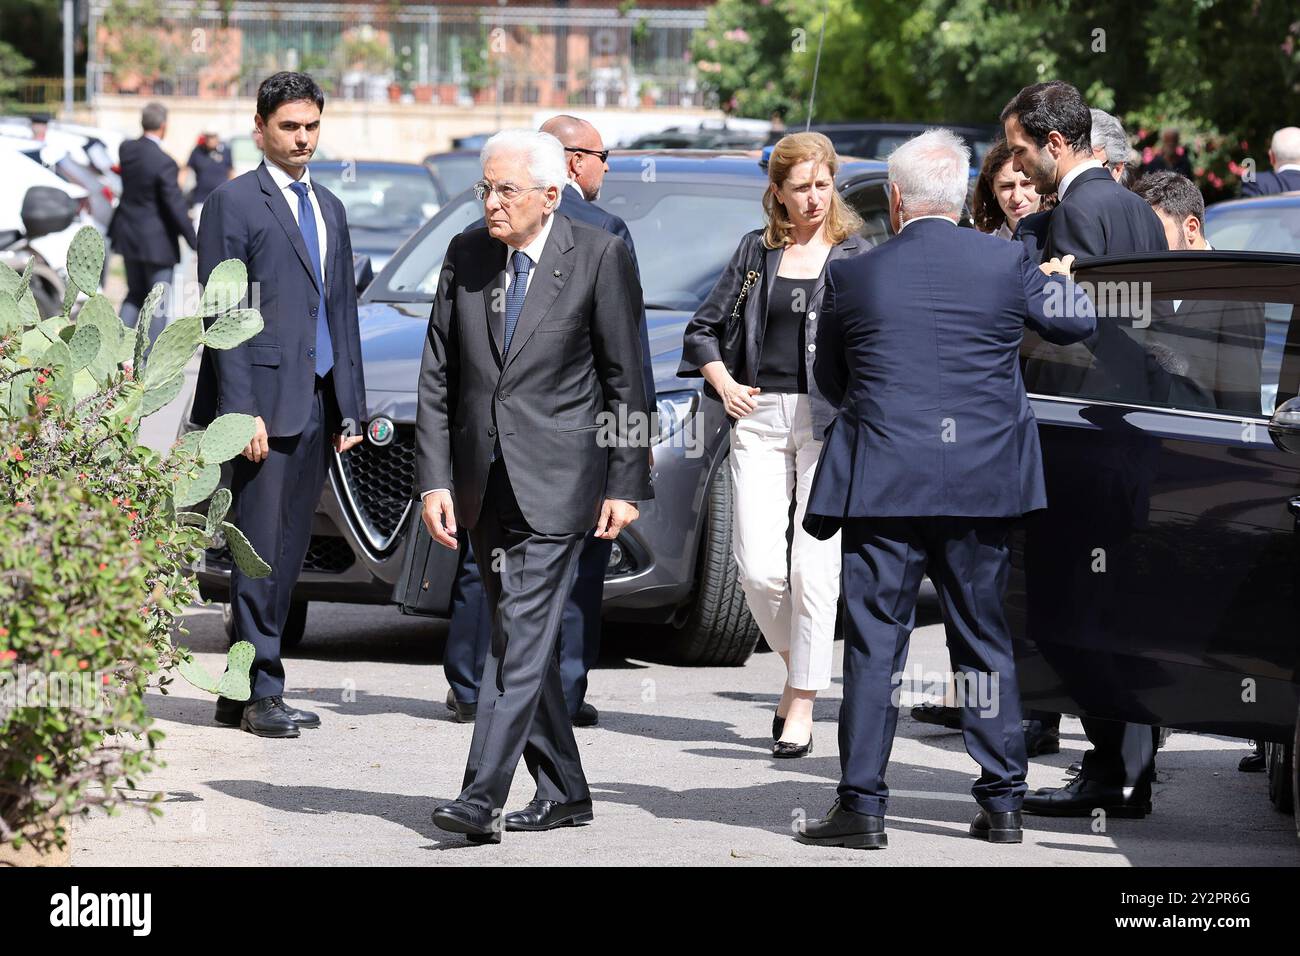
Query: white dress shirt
<point x="908" y="222"/>
<point x="285" y="182"/>
<point x="1295" y="167"/>
<point x="533" y="251"/>
<point x="1074" y="173"/>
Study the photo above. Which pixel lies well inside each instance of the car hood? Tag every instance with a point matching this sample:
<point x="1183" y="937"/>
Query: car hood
<point x="393" y="333"/>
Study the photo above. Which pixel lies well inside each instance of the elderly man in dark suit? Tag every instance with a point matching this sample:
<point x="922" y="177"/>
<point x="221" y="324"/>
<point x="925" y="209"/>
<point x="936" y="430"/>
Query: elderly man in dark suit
<point x="933" y="453"/>
<point x="1049" y="129"/>
<point x="1284" y="157"/>
<point x="530" y="382"/>
<point x="579" y="645"/>
<point x="300" y="377"/>
<point x="151" y="217"/>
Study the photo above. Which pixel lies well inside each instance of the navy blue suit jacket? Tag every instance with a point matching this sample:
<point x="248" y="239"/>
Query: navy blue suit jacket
<point x="151" y="218"/>
<point x="1266" y="184"/>
<point x="918" y="343"/>
<point x="273" y="373"/>
<point x="575" y="206"/>
<point x="1099" y="217"/>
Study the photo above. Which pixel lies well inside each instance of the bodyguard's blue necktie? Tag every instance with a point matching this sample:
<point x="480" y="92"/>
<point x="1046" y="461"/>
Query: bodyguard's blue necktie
<point x="307" y="226"/>
<point x="521" y="265"/>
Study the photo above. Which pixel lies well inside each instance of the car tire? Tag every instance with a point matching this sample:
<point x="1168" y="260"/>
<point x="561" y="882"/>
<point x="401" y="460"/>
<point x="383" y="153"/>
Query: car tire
<point x="718" y="630"/>
<point x="294" y="628"/>
<point x="1279" y="759"/>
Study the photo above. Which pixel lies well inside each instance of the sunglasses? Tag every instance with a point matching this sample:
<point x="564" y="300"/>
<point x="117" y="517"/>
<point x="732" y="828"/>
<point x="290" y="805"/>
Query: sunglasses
<point x="603" y="154"/>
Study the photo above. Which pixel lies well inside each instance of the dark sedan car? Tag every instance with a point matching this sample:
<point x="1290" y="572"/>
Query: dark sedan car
<point x="879" y="139"/>
<point x="386" y="202"/>
<point x="686" y="211"/>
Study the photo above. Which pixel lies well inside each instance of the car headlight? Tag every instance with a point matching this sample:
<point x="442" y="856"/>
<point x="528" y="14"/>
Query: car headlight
<point x="672" y="411"/>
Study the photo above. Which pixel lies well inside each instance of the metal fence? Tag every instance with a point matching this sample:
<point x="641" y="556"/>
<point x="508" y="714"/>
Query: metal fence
<point x="515" y="55"/>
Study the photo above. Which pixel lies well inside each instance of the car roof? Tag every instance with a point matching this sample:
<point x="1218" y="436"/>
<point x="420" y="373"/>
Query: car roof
<point x="720" y="163"/>
<point x="1271" y="201"/>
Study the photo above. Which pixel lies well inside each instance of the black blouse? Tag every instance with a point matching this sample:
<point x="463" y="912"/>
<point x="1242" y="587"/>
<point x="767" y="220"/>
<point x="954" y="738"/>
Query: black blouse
<point x="781" y="366"/>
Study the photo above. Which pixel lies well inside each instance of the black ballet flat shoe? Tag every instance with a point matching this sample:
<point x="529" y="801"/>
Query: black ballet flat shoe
<point x="778" y="728"/>
<point x="784" y="749"/>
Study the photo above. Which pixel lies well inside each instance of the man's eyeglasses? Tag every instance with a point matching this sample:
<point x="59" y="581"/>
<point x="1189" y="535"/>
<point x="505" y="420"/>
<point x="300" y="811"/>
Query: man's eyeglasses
<point x="601" y="154"/>
<point x="506" y="192"/>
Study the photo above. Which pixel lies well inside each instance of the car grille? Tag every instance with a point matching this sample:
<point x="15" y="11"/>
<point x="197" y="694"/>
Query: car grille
<point x="378" y="481"/>
<point x="325" y="555"/>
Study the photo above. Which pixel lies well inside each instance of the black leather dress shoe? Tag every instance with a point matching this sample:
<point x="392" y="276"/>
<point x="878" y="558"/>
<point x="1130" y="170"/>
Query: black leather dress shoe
<point x="998" y="827"/>
<point x="1074" y="769"/>
<point x="549" y="814"/>
<point x="267" y="718"/>
<point x="303" y="718"/>
<point x="840" y="827"/>
<point x="1081" y="796"/>
<point x="467" y="819"/>
<point x="784" y="749"/>
<point x="1254" y="761"/>
<point x="1041" y="738"/>
<point x="587" y="716"/>
<point x="938" y="714"/>
<point x="229" y="712"/>
<point x="461" y="713"/>
<point x="778" y="728"/>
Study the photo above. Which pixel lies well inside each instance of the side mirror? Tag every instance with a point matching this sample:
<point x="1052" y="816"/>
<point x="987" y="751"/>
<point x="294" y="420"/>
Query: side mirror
<point x="363" y="271"/>
<point x="47" y="210"/>
<point x="1284" y="426"/>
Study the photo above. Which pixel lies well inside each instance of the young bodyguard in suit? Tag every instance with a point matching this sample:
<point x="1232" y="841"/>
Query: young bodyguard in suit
<point x="1284" y="157"/>
<point x="151" y="218"/>
<point x="300" y="377"/>
<point x="933" y="454"/>
<point x="1049" y="127"/>
<point x="532" y="343"/>
<point x="579" y="645"/>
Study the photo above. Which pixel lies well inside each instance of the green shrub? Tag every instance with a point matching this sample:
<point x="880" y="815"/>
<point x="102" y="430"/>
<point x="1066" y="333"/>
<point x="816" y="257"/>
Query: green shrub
<point x="79" y="493"/>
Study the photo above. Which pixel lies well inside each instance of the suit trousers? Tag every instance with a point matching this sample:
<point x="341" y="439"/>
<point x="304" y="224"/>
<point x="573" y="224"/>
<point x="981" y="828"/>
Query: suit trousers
<point x="521" y="709"/>
<point x="968" y="562"/>
<point x="141" y="277"/>
<point x="274" y="501"/>
<point x="790" y="579"/>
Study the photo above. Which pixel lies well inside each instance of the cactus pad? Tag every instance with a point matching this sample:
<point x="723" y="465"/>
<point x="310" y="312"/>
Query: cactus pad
<point x="172" y="351"/>
<point x="157" y="396"/>
<point x="218" y="507"/>
<point x="250" y="563"/>
<point x="233" y="328"/>
<point x="195" y="483"/>
<point x="226" y="437"/>
<point x="86" y="259"/>
<point x="225" y="288"/>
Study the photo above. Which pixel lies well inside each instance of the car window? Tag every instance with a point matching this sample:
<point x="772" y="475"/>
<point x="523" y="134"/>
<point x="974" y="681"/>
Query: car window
<point x="870" y="202"/>
<point x="1268" y="228"/>
<point x="456" y="173"/>
<point x="391" y="198"/>
<point x="413" y="271"/>
<point x="1204" y="336"/>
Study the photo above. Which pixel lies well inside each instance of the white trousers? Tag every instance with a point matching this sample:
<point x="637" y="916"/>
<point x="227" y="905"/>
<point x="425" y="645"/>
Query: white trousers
<point x="792" y="585"/>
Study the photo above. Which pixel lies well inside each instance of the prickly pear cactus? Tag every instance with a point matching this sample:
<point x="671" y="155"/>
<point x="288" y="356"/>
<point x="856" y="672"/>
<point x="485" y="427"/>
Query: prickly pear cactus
<point x="226" y="437"/>
<point x="86" y="260"/>
<point x="172" y="351"/>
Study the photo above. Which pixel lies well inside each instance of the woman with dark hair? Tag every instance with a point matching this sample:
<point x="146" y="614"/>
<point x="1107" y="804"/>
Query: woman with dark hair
<point x="753" y="341"/>
<point x="1003" y="196"/>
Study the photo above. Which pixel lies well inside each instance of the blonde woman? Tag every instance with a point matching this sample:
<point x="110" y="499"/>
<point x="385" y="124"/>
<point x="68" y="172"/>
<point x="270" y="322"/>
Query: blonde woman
<point x="753" y="341"/>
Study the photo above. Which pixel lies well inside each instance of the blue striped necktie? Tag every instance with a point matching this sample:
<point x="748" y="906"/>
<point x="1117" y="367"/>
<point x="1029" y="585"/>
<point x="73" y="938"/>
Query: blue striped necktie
<point x="307" y="226"/>
<point x="521" y="265"/>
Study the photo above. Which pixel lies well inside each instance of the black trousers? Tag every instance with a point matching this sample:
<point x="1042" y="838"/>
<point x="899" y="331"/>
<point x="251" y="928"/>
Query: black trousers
<point x="521" y="709"/>
<point x="883" y="562"/>
<point x="273" y="503"/>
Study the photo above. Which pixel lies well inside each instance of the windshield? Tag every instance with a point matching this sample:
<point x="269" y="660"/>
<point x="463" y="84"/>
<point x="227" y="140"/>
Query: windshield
<point x="390" y="198"/>
<point x="1270" y="228"/>
<point x="456" y="173"/>
<point x="685" y="233"/>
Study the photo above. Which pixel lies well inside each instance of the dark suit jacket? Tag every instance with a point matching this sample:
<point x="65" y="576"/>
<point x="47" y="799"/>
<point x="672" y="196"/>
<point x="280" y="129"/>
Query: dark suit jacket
<point x="1266" y="184"/>
<point x="272" y="374"/>
<point x="575" y="206"/>
<point x="151" y="216"/>
<point x="703" y="338"/>
<point x="918" y="343"/>
<point x="574" y="355"/>
<point x="1031" y="231"/>
<point x="1099" y="217"/>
